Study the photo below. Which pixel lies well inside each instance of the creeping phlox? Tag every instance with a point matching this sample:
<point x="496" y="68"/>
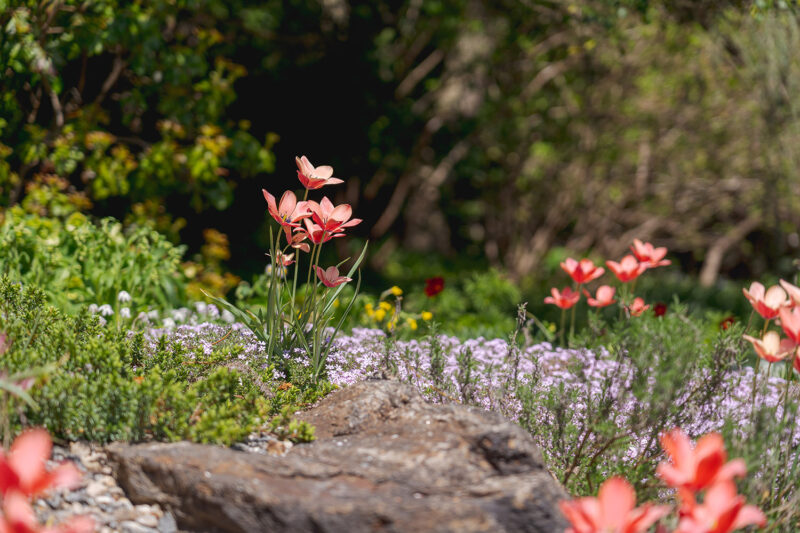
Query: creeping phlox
<point x="23" y="476"/>
<point x="628" y="269"/>
<point x="693" y="470"/>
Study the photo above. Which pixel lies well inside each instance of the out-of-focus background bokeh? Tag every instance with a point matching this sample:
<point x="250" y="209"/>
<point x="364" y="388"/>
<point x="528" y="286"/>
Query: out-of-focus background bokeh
<point x="473" y="136"/>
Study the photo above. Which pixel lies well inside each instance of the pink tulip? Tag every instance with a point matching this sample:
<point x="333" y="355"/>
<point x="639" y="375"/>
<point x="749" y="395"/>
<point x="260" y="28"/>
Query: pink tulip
<point x="694" y="469"/>
<point x="296" y="240"/>
<point x="790" y="322"/>
<point x="289" y="212"/>
<point x="564" y="299"/>
<point x="637" y="307"/>
<point x="613" y="511"/>
<point x="766" y="303"/>
<point x="23" y="469"/>
<point x="722" y="511"/>
<point x="330" y="277"/>
<point x="771" y="348"/>
<point x="314" y="177"/>
<point x="651" y="256"/>
<point x="18" y="517"/>
<point x="792" y="290"/>
<point x="582" y="271"/>
<point x="332" y="219"/>
<point x="316" y="234"/>
<point x="628" y="269"/>
<point x="605" y="296"/>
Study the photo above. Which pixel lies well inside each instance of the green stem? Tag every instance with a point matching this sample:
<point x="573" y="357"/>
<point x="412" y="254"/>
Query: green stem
<point x="561" y="329"/>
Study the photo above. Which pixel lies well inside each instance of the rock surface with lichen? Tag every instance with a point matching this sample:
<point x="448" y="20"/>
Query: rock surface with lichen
<point x="384" y="460"/>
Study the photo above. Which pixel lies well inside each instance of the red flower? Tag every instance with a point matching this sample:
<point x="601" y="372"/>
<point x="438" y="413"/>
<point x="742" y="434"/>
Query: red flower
<point x="647" y="253"/>
<point x="613" y="511"/>
<point x="330" y="277"/>
<point x="660" y="309"/>
<point x="727" y="322"/>
<point x="628" y="269"/>
<point x="434" y="286"/>
<point x="314" y="177"/>
<point x="582" y="271"/>
<point x="605" y="296"/>
<point x="697" y="468"/>
<point x="564" y="299"/>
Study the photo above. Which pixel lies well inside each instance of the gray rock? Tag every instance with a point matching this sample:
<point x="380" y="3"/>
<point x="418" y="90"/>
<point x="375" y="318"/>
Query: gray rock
<point x="384" y="460"/>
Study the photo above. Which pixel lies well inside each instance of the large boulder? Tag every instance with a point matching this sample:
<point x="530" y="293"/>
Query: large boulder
<point x="384" y="460"/>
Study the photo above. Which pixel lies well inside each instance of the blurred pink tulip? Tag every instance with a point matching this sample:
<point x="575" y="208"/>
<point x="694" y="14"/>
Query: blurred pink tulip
<point x="564" y="299"/>
<point x="18" y="517"/>
<point x="628" y="269"/>
<point x="766" y="303"/>
<point x="605" y="296"/>
<point x="697" y="468"/>
<point x="722" y="511"/>
<point x="771" y="347"/>
<point x="613" y="511"/>
<point x="330" y="277"/>
<point x="23" y="469"/>
<point x="582" y="271"/>
<point x="790" y="322"/>
<point x="637" y="307"/>
<point x="648" y="254"/>
<point x="314" y="177"/>
<point x="793" y="292"/>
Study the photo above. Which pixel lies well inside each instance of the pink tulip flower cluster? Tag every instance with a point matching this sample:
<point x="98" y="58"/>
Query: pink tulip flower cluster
<point x="782" y="304"/>
<point x="630" y="267"/>
<point x="307" y="220"/>
<point x="23" y="476"/>
<point x="703" y="468"/>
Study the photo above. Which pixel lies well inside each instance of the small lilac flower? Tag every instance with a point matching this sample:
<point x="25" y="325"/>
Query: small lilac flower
<point x="228" y="317"/>
<point x="125" y="312"/>
<point x="106" y="310"/>
<point x="93" y="308"/>
<point x="123" y="297"/>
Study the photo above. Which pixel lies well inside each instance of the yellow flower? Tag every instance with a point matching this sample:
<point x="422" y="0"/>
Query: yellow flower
<point x="427" y="315"/>
<point x="386" y="306"/>
<point x="391" y="324"/>
<point x="411" y="323"/>
<point x="380" y="314"/>
<point x="368" y="308"/>
<point x="336" y="303"/>
<point x="397" y="291"/>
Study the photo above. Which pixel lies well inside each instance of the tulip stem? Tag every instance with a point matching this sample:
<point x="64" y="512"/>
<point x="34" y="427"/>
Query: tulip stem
<point x="561" y="329"/>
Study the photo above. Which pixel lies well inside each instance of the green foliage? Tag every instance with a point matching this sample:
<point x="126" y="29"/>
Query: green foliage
<point x="79" y="263"/>
<point x="672" y="373"/>
<point x="288" y="428"/>
<point x="118" y="386"/>
<point x="129" y="99"/>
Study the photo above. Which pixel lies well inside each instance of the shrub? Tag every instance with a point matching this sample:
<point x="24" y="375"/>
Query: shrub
<point x="114" y="385"/>
<point x="78" y="263"/>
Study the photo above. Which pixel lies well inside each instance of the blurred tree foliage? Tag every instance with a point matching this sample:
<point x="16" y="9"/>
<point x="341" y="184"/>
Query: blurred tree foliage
<point x="493" y="130"/>
<point x="126" y="99"/>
